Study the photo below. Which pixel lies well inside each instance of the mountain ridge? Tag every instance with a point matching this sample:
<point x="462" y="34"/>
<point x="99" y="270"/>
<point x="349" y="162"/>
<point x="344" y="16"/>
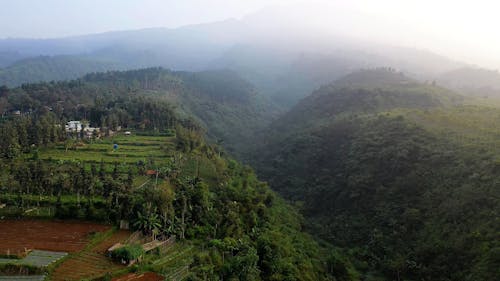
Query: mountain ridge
<point x="284" y="72"/>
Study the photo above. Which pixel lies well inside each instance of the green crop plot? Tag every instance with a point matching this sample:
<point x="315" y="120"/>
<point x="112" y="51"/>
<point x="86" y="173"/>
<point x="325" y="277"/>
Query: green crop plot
<point x="129" y="150"/>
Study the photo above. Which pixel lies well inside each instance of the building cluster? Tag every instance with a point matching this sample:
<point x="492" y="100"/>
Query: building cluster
<point x="77" y="127"/>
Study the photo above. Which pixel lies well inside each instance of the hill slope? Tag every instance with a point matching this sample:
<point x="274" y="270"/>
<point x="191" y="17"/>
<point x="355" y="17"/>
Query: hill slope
<point x="472" y="81"/>
<point x="401" y="173"/>
<point x="234" y="226"/>
<point x="227" y="106"/>
<point x="46" y="68"/>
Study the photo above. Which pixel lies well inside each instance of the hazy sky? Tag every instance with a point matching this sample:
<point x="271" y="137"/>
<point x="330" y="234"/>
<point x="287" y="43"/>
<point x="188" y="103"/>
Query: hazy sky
<point x="466" y="30"/>
<point x="55" y="18"/>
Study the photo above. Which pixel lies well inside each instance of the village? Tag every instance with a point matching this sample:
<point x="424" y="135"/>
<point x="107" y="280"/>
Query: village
<point x="82" y="129"/>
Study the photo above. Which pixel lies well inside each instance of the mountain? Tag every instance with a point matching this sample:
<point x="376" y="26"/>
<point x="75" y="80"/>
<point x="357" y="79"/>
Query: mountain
<point x="288" y="74"/>
<point x="48" y="68"/>
<point x="210" y="34"/>
<point x="173" y="48"/>
<point x="401" y="173"/>
<point x="284" y="62"/>
<point x="9" y="57"/>
<point x="472" y="81"/>
<point x="365" y="92"/>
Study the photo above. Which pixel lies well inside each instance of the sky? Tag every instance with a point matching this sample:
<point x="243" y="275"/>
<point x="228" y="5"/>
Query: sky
<point x="465" y="30"/>
<point x="56" y="18"/>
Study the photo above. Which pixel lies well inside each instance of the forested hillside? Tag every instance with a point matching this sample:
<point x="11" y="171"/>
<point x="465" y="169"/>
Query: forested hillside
<point x="148" y="140"/>
<point x="239" y="228"/>
<point x="399" y="176"/>
<point x="225" y="105"/>
<point x="45" y="68"/>
<point x="284" y="62"/>
<point x="402" y="174"/>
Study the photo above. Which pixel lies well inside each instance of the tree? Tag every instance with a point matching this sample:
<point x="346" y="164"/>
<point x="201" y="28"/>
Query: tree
<point x="148" y="223"/>
<point x="9" y="142"/>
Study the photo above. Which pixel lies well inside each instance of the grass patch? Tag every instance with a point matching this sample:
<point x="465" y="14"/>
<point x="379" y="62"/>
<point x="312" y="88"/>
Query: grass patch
<point x="131" y="150"/>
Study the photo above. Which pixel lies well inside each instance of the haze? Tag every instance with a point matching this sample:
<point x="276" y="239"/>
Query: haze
<point x="462" y="30"/>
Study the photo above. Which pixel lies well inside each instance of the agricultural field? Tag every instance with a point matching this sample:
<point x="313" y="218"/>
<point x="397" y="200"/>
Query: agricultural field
<point x="17" y="236"/>
<point x="50" y="241"/>
<point x="92" y="261"/>
<point x="174" y="261"/>
<point x="129" y="150"/>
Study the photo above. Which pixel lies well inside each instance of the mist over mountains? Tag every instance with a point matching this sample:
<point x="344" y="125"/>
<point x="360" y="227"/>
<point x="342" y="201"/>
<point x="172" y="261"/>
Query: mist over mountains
<point x="284" y="61"/>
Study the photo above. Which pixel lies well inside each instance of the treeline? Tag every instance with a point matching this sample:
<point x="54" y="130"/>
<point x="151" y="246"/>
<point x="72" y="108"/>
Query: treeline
<point x="101" y="106"/>
<point x="23" y="133"/>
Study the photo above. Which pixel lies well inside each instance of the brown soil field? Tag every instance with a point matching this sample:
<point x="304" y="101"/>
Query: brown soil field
<point x="62" y="236"/>
<point x="91" y="263"/>
<point x="148" y="276"/>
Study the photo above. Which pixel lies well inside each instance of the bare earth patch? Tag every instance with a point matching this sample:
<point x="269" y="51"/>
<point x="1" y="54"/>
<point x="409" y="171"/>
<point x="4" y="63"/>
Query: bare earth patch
<point x="16" y="236"/>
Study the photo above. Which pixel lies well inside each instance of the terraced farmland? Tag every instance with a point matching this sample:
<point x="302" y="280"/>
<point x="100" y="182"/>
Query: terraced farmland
<point x="90" y="263"/>
<point x="17" y="236"/>
<point x="131" y="149"/>
<point x="174" y="262"/>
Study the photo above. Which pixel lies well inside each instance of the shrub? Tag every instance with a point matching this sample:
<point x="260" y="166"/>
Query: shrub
<point x="127" y="253"/>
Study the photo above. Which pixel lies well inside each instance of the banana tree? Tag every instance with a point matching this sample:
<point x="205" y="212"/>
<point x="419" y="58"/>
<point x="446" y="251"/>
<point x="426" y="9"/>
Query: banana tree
<point x="149" y="224"/>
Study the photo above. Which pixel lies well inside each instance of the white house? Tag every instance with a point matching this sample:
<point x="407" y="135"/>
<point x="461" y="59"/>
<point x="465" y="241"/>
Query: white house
<point x="73" y="126"/>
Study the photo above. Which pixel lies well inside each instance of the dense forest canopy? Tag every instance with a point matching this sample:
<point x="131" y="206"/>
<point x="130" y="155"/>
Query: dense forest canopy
<point x="403" y="174"/>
